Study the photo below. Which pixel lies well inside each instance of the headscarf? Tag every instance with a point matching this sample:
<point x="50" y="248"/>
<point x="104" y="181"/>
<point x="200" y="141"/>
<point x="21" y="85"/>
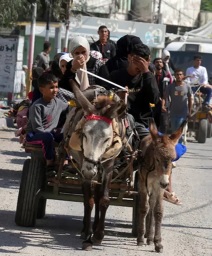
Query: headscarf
<point x="65" y="57"/>
<point x="79" y="41"/>
<point x="165" y="54"/>
<point x="124" y="44"/>
<point x="81" y="77"/>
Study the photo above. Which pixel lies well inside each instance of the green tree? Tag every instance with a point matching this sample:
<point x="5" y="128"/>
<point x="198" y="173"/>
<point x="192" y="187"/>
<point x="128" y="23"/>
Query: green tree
<point x="9" y="12"/>
<point x="12" y="11"/>
<point x="206" y="5"/>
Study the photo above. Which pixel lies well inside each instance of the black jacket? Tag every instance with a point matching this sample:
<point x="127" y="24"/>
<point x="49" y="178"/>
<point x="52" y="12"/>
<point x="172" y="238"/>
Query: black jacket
<point x="108" y="50"/>
<point x="143" y="90"/>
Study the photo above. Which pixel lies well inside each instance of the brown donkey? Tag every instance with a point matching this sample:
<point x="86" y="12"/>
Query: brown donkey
<point x="158" y="152"/>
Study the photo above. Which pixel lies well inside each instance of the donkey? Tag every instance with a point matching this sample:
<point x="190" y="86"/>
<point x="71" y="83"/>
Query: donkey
<point x="92" y="145"/>
<point x="158" y="152"/>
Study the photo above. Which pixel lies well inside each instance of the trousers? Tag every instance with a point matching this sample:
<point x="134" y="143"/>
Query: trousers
<point x="46" y="140"/>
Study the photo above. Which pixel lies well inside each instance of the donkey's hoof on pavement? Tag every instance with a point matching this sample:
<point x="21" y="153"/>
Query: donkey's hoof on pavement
<point x="159" y="248"/>
<point x="96" y="241"/>
<point x="140" y="243"/>
<point x="87" y="246"/>
<point x="149" y="242"/>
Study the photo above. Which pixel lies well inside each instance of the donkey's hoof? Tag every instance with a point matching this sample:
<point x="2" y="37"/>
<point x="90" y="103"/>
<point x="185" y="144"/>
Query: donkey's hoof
<point x="96" y="241"/>
<point x="87" y="246"/>
<point x="97" y="238"/>
<point x="140" y="243"/>
<point x="149" y="241"/>
<point x="159" y="248"/>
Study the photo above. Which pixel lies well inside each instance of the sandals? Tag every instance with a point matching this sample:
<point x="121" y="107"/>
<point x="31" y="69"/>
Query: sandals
<point x="50" y="171"/>
<point x="171" y="198"/>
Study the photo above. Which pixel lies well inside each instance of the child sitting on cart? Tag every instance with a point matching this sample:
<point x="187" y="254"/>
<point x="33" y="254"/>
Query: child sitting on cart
<point x="44" y="116"/>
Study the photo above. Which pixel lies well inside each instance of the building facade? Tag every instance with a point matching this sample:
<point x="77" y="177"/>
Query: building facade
<point x="177" y="15"/>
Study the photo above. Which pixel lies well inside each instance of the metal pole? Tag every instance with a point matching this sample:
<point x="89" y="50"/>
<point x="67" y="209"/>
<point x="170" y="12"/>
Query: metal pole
<point x="31" y="46"/>
<point x="67" y="24"/>
<point x="159" y="12"/>
<point x="58" y="39"/>
<point x="49" y="7"/>
<point x="65" y="48"/>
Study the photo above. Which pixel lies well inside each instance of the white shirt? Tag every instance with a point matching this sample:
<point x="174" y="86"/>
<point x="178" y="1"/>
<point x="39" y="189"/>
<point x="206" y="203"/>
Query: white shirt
<point x="199" y="75"/>
<point x="23" y="78"/>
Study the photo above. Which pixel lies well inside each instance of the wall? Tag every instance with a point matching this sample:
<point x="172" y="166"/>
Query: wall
<point x="204" y="18"/>
<point x="180" y="12"/>
<point x="141" y="10"/>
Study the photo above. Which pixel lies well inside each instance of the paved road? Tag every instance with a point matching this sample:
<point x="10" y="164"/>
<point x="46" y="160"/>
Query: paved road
<point x="187" y="229"/>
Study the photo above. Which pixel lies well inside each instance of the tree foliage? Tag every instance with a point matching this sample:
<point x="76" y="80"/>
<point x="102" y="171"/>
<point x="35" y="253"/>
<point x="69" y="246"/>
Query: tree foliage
<point x="12" y="11"/>
<point x="206" y="5"/>
<point x="9" y="12"/>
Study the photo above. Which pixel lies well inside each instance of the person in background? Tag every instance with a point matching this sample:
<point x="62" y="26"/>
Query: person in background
<point x="23" y="80"/>
<point x="163" y="79"/>
<point x="42" y="59"/>
<point x="44" y="115"/>
<point x="197" y="76"/>
<point x="168" y="64"/>
<point x="180" y="95"/>
<point x="64" y="59"/>
<point x="36" y="73"/>
<point x="104" y="44"/>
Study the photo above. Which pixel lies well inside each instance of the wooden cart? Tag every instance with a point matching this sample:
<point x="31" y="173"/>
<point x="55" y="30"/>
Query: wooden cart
<point x="199" y="123"/>
<point x="35" y="189"/>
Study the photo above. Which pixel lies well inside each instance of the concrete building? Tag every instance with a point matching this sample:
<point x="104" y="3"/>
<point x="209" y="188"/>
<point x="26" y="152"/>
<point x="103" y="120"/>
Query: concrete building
<point x="178" y="15"/>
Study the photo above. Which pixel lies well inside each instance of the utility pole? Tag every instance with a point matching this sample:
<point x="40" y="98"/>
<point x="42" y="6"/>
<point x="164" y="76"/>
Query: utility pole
<point x="48" y="8"/>
<point x="67" y="23"/>
<point x="31" y="45"/>
<point x="159" y="16"/>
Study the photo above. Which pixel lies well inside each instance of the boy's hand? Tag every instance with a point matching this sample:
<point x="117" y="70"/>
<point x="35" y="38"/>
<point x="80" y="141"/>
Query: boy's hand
<point x="163" y="109"/>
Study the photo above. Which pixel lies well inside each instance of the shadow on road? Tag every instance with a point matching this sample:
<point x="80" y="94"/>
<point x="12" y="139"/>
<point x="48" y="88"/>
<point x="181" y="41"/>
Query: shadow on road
<point x="9" y="178"/>
<point x="59" y="232"/>
<point x="14" y="153"/>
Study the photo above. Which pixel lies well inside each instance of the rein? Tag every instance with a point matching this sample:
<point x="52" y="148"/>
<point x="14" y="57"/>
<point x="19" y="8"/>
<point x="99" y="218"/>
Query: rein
<point x="95" y="163"/>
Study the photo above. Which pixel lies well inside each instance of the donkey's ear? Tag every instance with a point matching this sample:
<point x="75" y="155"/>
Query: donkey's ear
<point x="153" y="129"/>
<point x="111" y="111"/>
<point x="178" y="133"/>
<point x="80" y="97"/>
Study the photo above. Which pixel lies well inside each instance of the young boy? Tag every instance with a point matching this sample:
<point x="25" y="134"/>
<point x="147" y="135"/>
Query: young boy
<point x="44" y="116"/>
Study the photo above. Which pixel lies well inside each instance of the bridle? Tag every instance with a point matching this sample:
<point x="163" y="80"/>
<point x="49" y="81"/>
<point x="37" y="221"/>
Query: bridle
<point x="97" y="163"/>
<point x="98" y="118"/>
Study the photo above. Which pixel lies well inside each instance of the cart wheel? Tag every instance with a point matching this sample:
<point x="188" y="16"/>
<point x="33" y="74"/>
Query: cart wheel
<point x="209" y="133"/>
<point x="135" y="208"/>
<point x="31" y="182"/>
<point x="202" y="132"/>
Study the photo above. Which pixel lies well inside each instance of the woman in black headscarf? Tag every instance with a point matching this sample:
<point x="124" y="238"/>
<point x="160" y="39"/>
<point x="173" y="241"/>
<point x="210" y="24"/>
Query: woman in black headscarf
<point x="123" y="46"/>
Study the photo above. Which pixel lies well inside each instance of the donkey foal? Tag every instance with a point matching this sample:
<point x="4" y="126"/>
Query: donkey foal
<point x="158" y="152"/>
